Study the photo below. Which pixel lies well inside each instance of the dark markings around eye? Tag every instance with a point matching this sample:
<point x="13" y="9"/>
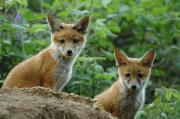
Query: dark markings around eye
<point x="139" y="76"/>
<point x="62" y="41"/>
<point x="61" y="27"/>
<point x="75" y="40"/>
<point x="127" y="75"/>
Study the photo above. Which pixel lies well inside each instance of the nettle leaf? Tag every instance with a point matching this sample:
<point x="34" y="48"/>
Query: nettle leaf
<point x="63" y="14"/>
<point x="167" y="107"/>
<point x="105" y="76"/>
<point x="168" y="94"/>
<point x="79" y="12"/>
<point x="105" y="43"/>
<point x="101" y="33"/>
<point x="150" y="106"/>
<point x="98" y="68"/>
<point x="101" y="29"/>
<point x="176" y="94"/>
<point x="114" y="27"/>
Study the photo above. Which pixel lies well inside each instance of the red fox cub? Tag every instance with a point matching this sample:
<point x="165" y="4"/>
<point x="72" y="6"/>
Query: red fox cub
<point x="52" y="66"/>
<point x="126" y="96"/>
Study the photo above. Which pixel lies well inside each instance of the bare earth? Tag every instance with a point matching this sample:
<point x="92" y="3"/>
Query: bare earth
<point x="43" y="103"/>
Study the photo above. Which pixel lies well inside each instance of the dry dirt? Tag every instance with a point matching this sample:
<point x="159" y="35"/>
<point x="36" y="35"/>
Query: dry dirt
<point x="43" y="103"/>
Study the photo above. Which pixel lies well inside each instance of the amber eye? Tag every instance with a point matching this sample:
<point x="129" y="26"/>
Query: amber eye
<point x="127" y="75"/>
<point x="62" y="41"/>
<point x="75" y="40"/>
<point x="140" y="75"/>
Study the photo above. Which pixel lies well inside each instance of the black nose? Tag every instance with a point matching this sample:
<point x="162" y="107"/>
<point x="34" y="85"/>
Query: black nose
<point x="69" y="52"/>
<point x="133" y="87"/>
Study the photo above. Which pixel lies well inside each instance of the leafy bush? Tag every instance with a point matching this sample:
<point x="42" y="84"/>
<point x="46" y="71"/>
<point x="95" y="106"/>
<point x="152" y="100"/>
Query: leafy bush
<point x="134" y="26"/>
<point x="165" y="105"/>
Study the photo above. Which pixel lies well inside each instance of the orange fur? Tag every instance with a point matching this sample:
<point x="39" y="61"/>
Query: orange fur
<point x="36" y="71"/>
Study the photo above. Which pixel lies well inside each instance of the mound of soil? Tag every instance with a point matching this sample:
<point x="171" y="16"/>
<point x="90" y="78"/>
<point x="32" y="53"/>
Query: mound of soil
<point x="43" y="103"/>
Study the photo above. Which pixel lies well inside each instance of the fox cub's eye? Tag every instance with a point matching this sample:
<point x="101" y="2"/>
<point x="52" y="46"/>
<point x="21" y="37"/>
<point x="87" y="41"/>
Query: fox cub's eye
<point x="127" y="75"/>
<point x="140" y="75"/>
<point x="75" y="40"/>
<point x="62" y="41"/>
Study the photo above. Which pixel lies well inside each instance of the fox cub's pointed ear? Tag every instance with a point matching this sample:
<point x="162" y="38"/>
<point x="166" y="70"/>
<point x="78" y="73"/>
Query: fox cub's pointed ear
<point x="82" y="25"/>
<point x="148" y="58"/>
<point x="121" y="57"/>
<point x="53" y="24"/>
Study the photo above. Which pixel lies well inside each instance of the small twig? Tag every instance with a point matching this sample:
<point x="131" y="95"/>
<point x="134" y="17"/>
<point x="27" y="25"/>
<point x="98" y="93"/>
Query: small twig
<point x="90" y="7"/>
<point x="90" y="11"/>
<point x="2" y="35"/>
<point x="41" y="5"/>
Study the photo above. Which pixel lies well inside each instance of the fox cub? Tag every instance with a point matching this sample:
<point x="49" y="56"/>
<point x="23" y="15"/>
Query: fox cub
<point x="51" y="67"/>
<point x="126" y="96"/>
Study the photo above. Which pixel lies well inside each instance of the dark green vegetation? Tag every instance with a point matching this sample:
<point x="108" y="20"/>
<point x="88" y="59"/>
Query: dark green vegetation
<point x="134" y="26"/>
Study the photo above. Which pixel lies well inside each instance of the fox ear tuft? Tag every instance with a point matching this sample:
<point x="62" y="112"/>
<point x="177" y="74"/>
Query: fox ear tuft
<point x="121" y="57"/>
<point x="82" y="25"/>
<point x="53" y="25"/>
<point x="148" y="58"/>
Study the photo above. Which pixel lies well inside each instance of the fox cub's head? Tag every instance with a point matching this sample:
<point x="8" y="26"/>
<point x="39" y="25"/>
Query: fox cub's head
<point x="134" y="72"/>
<point x="68" y="39"/>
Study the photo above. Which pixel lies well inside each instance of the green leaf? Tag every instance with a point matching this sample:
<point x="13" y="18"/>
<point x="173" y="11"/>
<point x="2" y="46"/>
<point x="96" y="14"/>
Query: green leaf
<point x="23" y="2"/>
<point x="169" y="94"/>
<point x="38" y="27"/>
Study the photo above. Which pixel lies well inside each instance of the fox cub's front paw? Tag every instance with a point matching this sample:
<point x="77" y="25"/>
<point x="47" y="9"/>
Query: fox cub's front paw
<point x="98" y="105"/>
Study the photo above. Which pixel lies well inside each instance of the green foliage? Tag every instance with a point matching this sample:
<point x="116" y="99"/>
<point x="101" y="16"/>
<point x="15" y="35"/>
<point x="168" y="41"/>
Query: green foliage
<point x="165" y="105"/>
<point x="134" y="26"/>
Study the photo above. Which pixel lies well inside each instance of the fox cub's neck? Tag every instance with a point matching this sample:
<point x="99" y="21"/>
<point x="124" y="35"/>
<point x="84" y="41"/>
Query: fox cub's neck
<point x="132" y="99"/>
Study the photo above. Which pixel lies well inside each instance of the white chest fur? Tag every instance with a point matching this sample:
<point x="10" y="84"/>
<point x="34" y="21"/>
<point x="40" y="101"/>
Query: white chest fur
<point x="130" y="104"/>
<point x="62" y="73"/>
